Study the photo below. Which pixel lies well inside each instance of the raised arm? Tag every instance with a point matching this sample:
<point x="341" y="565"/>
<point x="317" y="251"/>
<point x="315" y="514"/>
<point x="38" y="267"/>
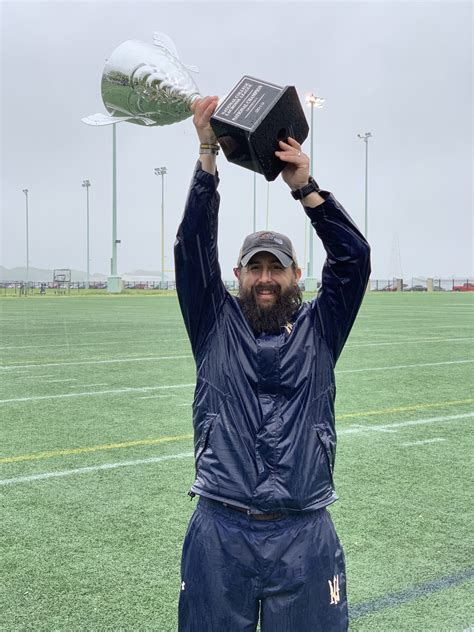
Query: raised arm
<point x="347" y="267"/>
<point x="200" y="289"/>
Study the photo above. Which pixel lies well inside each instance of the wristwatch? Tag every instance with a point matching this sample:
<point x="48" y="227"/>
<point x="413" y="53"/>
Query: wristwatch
<point x="307" y="189"/>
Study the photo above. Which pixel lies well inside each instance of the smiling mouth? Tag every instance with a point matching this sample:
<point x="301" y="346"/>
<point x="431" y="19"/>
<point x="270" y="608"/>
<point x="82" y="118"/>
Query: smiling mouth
<point x="266" y="291"/>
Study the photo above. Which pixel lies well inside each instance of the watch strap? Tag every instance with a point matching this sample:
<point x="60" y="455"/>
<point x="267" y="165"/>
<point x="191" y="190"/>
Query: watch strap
<point x="311" y="187"/>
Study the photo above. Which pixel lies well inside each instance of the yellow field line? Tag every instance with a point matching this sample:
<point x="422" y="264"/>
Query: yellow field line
<point x="36" y="456"/>
<point x="110" y="446"/>
<point x="400" y="409"/>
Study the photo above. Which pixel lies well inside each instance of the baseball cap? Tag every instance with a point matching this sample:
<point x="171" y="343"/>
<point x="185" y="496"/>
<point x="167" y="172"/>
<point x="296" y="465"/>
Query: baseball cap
<point x="267" y="241"/>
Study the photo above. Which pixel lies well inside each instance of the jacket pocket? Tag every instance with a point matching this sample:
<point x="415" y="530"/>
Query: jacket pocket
<point x="204" y="440"/>
<point x="327" y="454"/>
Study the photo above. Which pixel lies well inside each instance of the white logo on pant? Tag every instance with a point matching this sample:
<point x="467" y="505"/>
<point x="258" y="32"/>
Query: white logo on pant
<point x="183" y="586"/>
<point x="334" y="590"/>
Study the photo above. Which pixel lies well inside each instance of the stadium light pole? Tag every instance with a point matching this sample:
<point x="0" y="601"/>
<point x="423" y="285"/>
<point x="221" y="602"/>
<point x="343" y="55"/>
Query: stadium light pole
<point x="114" y="282"/>
<point x="86" y="184"/>
<point x="365" y="138"/>
<point x="314" y="102"/>
<point x="113" y="267"/>
<point x="25" y="191"/>
<point x="268" y="205"/>
<point x="254" y="202"/>
<point x="161" y="171"/>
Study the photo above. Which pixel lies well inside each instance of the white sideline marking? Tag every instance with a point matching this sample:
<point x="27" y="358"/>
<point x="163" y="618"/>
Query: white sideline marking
<point x="147" y="342"/>
<point x="357" y="429"/>
<point x="93" y="468"/>
<point x="143" y="359"/>
<point x="69" y="379"/>
<point x="147" y="388"/>
<point x="108" y="466"/>
<point x="81" y="335"/>
<point x="82" y="385"/>
<point x="406" y="342"/>
<point x="131" y="389"/>
<point x="373" y="428"/>
<point x="401" y="366"/>
<point x="92" y="344"/>
<point x="423" y="441"/>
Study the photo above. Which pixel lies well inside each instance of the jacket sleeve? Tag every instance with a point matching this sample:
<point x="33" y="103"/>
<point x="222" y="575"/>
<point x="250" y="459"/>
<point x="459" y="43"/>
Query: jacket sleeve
<point x="345" y="272"/>
<point x="201" y="292"/>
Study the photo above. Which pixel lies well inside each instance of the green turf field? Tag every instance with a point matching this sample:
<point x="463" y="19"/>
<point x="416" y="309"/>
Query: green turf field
<point x="96" y="461"/>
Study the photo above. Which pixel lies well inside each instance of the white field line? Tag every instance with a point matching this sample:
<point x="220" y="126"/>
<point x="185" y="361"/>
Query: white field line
<point x="371" y="428"/>
<point x="423" y="442"/>
<point x="94" y="344"/>
<point x="452" y="327"/>
<point x="187" y="356"/>
<point x="84" y="362"/>
<point x="84" y="385"/>
<point x="109" y="466"/>
<point x="113" y="391"/>
<point x="93" y="468"/>
<point x="137" y="342"/>
<point x="396" y="320"/>
<point x="406" y="342"/>
<point x="99" y="332"/>
<point x="357" y="429"/>
<point x="69" y="379"/>
<point x="153" y="396"/>
<point x="37" y="377"/>
<point x="139" y="389"/>
<point x="400" y="366"/>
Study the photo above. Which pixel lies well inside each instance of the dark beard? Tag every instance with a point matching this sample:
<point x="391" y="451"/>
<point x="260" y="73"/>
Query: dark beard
<point x="270" y="320"/>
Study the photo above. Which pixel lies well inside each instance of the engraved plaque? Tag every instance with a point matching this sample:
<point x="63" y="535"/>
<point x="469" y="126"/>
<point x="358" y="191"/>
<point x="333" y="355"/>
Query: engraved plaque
<point x="253" y="118"/>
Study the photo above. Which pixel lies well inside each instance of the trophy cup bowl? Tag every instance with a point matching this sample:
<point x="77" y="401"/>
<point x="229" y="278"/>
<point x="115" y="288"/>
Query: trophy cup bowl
<point x="146" y="84"/>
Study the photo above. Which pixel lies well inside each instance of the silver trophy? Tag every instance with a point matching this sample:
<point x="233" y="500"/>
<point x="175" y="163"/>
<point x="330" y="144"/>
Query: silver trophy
<point x="146" y="84"/>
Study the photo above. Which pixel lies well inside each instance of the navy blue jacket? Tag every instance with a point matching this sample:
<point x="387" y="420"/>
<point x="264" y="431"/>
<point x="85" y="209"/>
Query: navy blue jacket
<point x="263" y="409"/>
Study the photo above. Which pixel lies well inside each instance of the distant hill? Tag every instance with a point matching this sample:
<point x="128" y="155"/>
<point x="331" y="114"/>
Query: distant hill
<point x="38" y="274"/>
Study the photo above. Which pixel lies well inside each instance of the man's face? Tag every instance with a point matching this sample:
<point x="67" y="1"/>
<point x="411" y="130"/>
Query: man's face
<point x="268" y="293"/>
<point x="266" y="279"/>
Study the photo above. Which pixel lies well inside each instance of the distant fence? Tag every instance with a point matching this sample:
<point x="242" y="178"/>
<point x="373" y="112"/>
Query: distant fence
<point x="376" y="285"/>
<point x="20" y="287"/>
<point x="422" y="285"/>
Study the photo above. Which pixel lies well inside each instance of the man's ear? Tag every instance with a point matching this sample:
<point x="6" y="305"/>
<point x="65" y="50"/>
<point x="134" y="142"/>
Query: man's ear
<point x="237" y="272"/>
<point x="298" y="274"/>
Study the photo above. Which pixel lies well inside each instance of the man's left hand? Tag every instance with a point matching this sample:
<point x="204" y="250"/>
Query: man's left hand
<point x="296" y="171"/>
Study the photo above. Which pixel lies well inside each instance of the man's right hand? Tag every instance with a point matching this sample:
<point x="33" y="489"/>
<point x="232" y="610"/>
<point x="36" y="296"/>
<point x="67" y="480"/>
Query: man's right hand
<point x="203" y="109"/>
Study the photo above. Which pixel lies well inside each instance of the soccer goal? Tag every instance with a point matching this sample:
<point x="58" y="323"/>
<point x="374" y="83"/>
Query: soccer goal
<point x="62" y="281"/>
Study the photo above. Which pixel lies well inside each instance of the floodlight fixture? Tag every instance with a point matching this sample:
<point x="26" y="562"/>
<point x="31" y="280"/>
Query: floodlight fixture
<point x="314" y="101"/>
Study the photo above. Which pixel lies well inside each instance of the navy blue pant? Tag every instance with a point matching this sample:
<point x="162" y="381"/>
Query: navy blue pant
<point x="235" y="569"/>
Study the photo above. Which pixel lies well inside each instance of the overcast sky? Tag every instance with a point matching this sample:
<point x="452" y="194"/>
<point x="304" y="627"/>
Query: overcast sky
<point x="401" y="70"/>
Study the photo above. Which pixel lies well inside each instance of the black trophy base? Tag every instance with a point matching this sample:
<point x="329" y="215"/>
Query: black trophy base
<point x="252" y="119"/>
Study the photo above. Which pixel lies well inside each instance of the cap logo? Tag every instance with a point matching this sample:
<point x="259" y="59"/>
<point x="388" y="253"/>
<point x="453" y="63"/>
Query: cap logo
<point x="270" y="237"/>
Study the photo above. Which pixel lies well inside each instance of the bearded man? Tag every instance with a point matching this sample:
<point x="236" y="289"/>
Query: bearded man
<point x="261" y="546"/>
